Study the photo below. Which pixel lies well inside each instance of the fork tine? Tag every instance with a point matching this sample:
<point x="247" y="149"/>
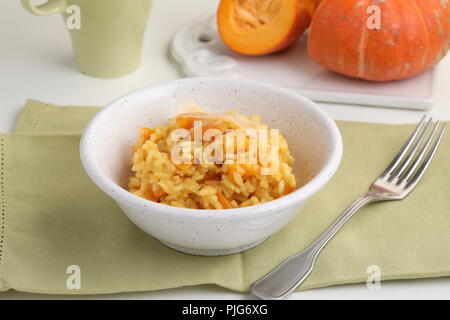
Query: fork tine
<point x="399" y="157"/>
<point x="400" y="169"/>
<point x="415" y="179"/>
<point x="422" y="151"/>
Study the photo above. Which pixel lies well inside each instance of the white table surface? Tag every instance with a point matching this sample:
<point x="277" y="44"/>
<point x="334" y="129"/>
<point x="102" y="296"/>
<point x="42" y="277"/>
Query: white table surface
<point x="36" y="62"/>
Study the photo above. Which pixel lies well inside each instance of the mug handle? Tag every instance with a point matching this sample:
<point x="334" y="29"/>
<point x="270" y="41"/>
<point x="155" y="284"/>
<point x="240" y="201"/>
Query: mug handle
<point x="45" y="9"/>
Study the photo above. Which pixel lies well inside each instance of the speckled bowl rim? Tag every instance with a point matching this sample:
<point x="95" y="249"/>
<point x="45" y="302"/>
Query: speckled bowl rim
<point x="218" y="215"/>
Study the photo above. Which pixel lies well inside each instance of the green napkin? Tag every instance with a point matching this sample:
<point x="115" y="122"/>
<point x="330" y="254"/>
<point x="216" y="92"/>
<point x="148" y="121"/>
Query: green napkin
<point x="52" y="217"/>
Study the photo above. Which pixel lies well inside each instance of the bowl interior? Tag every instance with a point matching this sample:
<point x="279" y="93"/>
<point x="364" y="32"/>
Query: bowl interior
<point x="115" y="129"/>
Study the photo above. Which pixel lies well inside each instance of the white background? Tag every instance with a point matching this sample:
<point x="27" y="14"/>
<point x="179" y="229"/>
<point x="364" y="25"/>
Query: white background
<point x="36" y="62"/>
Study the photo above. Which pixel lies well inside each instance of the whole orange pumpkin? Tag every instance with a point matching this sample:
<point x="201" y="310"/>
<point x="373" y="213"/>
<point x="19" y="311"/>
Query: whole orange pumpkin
<point x="380" y="40"/>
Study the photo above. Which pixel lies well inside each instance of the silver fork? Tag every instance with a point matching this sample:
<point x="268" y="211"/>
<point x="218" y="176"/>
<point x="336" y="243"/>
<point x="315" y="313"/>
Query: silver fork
<point x="395" y="183"/>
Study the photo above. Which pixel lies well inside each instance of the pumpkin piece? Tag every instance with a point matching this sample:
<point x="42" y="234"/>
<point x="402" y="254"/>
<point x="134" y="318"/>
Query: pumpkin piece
<point x="159" y="193"/>
<point x="146" y="132"/>
<point x="150" y="196"/>
<point x="258" y="27"/>
<point x="185" y="122"/>
<point x="250" y="169"/>
<point x="223" y="200"/>
<point x="412" y="36"/>
<point x="182" y="166"/>
<point x="288" y="189"/>
<point x="189" y="122"/>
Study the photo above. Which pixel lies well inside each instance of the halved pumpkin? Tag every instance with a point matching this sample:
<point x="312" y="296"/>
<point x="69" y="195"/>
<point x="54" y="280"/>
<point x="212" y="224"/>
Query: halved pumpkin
<point x="258" y="27"/>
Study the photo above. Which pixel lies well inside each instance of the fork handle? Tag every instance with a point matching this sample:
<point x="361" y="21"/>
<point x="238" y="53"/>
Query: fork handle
<point x="285" y="278"/>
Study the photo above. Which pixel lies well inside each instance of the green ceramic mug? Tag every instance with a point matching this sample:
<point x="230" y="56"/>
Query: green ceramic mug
<point x="107" y="35"/>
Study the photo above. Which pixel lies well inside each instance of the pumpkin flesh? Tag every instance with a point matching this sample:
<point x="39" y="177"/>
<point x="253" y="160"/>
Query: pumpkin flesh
<point x="258" y="27"/>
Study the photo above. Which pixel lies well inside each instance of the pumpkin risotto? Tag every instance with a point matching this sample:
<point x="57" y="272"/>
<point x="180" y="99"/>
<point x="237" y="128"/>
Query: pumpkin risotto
<point x="211" y="161"/>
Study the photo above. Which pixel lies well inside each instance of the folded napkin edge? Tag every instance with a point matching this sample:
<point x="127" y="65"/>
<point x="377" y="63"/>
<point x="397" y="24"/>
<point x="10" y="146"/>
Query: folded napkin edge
<point x="29" y="116"/>
<point x="3" y="201"/>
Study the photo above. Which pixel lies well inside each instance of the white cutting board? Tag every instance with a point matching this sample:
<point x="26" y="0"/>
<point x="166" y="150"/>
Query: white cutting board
<point x="199" y="49"/>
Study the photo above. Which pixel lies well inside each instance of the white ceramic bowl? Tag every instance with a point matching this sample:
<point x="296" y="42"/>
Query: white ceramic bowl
<point x="314" y="142"/>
